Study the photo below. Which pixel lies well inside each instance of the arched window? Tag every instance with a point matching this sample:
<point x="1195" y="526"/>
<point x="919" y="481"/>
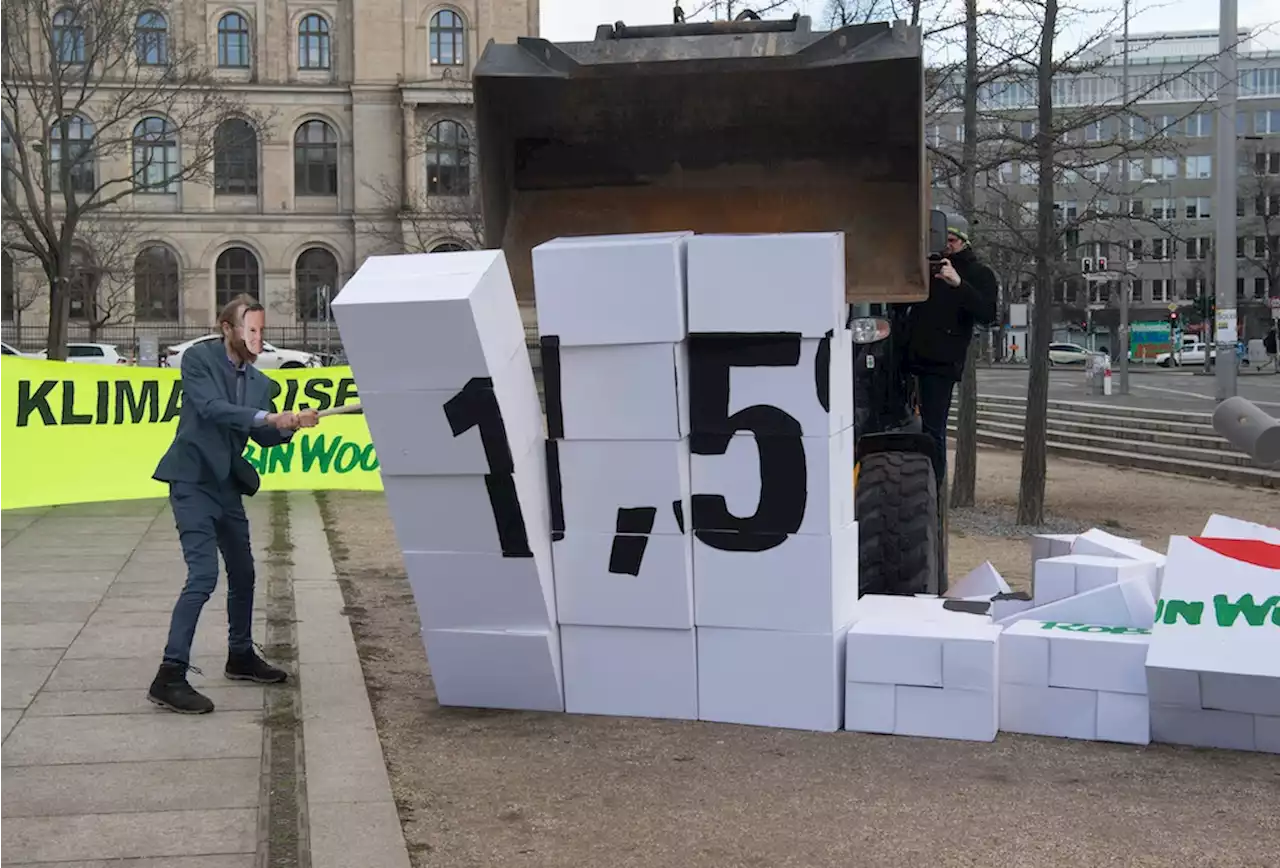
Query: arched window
<point x="155" y="156"/>
<point x="82" y="290"/>
<point x="448" y="159"/>
<point x="156" y="287"/>
<point x="448" y="247"/>
<point x="71" y="154"/>
<point x="315" y="160"/>
<point x="313" y="43"/>
<point x="235" y="158"/>
<point x="9" y="311"/>
<point x="68" y="37"/>
<point x="447" y="35"/>
<point x="316" y="279"/>
<point x="151" y="38"/>
<point x="233" y="41"/>
<point x="236" y="271"/>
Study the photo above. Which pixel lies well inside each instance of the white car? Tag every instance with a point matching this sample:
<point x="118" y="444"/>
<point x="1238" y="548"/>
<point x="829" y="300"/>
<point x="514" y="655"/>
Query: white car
<point x="92" y="354"/>
<point x="270" y="357"/>
<point x="1069" y="354"/>
<point x="1189" y="354"/>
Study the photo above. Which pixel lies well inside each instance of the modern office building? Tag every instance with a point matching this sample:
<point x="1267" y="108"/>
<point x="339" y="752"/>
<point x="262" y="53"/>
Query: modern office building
<point x="368" y="142"/>
<point x="1135" y="186"/>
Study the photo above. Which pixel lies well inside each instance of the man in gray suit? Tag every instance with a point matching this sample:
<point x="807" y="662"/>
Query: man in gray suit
<point x="225" y="401"/>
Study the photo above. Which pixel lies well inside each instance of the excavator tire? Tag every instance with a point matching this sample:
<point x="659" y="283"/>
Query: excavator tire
<point x="896" y="503"/>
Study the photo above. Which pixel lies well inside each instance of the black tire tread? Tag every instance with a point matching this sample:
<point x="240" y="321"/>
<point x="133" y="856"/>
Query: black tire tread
<point x="896" y="503"/>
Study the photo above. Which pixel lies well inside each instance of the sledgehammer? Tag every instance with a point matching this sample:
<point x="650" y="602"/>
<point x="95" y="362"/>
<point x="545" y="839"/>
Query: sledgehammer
<point x="1249" y="429"/>
<point x="335" y="411"/>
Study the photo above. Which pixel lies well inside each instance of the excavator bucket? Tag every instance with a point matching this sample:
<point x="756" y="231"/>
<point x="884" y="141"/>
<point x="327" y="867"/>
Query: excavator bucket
<point x="724" y="127"/>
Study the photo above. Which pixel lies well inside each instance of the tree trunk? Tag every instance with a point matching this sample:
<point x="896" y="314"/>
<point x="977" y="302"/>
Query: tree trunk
<point x="1032" y="483"/>
<point x="59" y="313"/>
<point x="964" y="479"/>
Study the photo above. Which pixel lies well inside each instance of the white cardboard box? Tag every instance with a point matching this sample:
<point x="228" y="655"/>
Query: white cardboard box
<point x="1050" y="545"/>
<point x="808" y="584"/>
<point x="734" y="281"/>
<point x="592" y="589"/>
<point x="496" y="669"/>
<point x="630" y="672"/>
<point x="1065" y="576"/>
<point x="771" y="678"/>
<point x="612" y="289"/>
<point x="413" y="432"/>
<point x="1099" y="542"/>
<point x="1055" y="711"/>
<point x="808" y="379"/>
<point x="427" y="321"/>
<point x="618" y="392"/>
<point x="467" y="591"/>
<point x="599" y="477"/>
<point x="457" y="513"/>
<point x="982" y="581"/>
<point x="825" y="489"/>
<point x="1224" y="527"/>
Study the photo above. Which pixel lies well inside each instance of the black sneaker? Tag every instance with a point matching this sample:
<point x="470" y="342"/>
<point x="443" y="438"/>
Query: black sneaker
<point x="170" y="690"/>
<point x="248" y="666"/>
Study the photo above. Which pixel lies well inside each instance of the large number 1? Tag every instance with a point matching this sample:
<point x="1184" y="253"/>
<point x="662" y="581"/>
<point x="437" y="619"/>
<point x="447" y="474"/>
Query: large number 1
<point x="476" y="406"/>
<point x="783" y="472"/>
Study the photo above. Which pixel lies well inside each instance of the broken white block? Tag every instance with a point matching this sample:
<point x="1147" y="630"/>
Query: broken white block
<point x="1223" y="527"/>
<point x="983" y="580"/>
<point x="1050" y="545"/>
<point x="1065" y="576"/>
<point x="1099" y="542"/>
<point x="1124" y="604"/>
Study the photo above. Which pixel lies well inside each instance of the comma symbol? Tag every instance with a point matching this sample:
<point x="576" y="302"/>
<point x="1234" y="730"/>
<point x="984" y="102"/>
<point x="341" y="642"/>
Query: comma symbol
<point x="634" y="525"/>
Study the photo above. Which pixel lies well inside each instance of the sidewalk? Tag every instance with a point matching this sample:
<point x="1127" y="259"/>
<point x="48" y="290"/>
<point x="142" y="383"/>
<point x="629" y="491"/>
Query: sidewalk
<point x="93" y="771"/>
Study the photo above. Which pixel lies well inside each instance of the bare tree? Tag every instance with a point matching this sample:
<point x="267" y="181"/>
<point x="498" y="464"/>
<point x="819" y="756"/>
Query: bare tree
<point x="443" y="213"/>
<point x="1260" y="198"/>
<point x="103" y="100"/>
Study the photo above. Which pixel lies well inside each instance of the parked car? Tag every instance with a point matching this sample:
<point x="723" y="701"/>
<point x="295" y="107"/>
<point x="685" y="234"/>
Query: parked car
<point x="270" y="357"/>
<point x="1069" y="354"/>
<point x="1193" y="354"/>
<point x="7" y="350"/>
<point x="92" y="354"/>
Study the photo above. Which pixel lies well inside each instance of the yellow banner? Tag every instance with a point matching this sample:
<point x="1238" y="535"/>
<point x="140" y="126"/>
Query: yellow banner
<point x="78" y="433"/>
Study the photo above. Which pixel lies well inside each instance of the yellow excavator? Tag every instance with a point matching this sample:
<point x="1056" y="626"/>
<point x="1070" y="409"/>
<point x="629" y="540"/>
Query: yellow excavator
<point x="746" y="126"/>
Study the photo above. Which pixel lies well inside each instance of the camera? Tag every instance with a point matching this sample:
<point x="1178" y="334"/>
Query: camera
<point x="935" y="263"/>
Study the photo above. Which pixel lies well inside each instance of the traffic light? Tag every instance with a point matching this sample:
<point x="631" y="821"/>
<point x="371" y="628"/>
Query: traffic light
<point x="1173" y="318"/>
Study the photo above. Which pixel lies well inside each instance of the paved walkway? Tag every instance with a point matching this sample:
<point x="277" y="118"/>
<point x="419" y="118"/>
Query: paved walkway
<point x="283" y="775"/>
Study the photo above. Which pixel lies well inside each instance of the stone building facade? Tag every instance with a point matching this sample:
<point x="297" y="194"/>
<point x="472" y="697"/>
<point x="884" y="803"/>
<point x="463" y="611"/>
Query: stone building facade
<point x="368" y="143"/>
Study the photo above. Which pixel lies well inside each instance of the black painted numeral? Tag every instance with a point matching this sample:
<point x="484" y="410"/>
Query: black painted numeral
<point x="778" y="435"/>
<point x="476" y="406"/>
<point x="634" y="525"/>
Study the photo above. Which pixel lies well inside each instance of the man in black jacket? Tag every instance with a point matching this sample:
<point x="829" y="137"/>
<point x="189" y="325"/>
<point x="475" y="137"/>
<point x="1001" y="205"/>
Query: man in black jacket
<point x="963" y="293"/>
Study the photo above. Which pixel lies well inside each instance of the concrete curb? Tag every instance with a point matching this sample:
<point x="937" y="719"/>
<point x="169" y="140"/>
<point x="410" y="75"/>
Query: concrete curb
<point x="351" y="812"/>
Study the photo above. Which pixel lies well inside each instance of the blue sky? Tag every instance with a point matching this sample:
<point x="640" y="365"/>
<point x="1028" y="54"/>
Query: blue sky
<point x="572" y="20"/>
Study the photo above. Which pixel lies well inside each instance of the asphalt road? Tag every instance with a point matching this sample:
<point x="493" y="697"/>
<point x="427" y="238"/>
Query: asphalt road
<point x="1150" y="387"/>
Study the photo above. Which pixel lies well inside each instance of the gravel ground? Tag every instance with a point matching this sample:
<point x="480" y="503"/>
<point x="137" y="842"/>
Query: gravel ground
<point x="484" y="788"/>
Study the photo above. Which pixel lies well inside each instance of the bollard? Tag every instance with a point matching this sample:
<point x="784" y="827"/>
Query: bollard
<point x="1106" y="379"/>
<point x="1249" y="429"/>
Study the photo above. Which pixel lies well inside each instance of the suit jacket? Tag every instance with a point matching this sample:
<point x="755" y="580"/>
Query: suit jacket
<point x="213" y="429"/>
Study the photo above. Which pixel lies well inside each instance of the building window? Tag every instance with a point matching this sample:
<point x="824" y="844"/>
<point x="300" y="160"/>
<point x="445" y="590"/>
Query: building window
<point x="235" y="272"/>
<point x="313" y="43"/>
<point x="447" y="34"/>
<point x="315" y="160"/>
<point x="83" y="290"/>
<point x="1195" y="287"/>
<point x="1197" y="248"/>
<point x="1266" y="123"/>
<point x="1199" y="126"/>
<point x="235" y="158"/>
<point x="151" y="38"/>
<point x="9" y="311"/>
<point x="156" y="290"/>
<point x="155" y="156"/>
<point x="68" y="37"/>
<point x="1160" y="290"/>
<point x="233" y="41"/>
<point x="1197" y="207"/>
<point x="71" y="155"/>
<point x="448" y="159"/>
<point x="1259" y="287"/>
<point x="1267" y="163"/>
<point x="1199" y="167"/>
<point x="448" y="247"/>
<point x="1161" y="249"/>
<point x="316" y="277"/>
<point x="1164" y="167"/>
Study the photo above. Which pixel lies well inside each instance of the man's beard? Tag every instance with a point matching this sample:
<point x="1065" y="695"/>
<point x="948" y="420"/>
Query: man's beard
<point x="241" y="349"/>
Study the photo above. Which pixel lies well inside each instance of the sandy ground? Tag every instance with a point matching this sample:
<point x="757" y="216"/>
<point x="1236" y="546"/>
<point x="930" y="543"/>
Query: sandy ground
<point x="483" y="788"/>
